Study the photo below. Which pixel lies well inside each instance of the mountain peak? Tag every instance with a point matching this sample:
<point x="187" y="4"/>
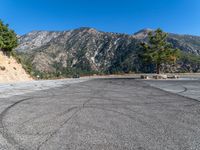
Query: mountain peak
<point x="142" y="33"/>
<point x="146" y="30"/>
<point x="86" y="28"/>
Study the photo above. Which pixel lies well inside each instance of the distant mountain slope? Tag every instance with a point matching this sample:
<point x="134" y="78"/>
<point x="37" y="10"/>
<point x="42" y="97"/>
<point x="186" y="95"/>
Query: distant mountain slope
<point x="187" y="43"/>
<point x="89" y="49"/>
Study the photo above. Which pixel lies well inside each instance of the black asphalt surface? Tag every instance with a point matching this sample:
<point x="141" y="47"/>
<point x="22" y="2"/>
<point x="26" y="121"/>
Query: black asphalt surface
<point x="100" y="114"/>
<point x="189" y="87"/>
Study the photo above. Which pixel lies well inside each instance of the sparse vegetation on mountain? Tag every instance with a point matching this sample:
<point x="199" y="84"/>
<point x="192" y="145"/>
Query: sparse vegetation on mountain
<point x="191" y="62"/>
<point x="157" y="50"/>
<point x="8" y="38"/>
<point x="88" y="51"/>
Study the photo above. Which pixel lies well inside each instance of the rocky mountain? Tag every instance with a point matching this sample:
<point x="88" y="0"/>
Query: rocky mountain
<point x="91" y="50"/>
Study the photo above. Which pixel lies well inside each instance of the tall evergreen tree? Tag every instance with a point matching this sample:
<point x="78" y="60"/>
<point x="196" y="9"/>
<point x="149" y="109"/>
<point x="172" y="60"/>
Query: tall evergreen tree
<point x="8" y="38"/>
<point x="157" y="50"/>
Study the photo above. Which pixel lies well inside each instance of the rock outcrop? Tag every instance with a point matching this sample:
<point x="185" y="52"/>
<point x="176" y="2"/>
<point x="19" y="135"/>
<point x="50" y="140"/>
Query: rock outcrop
<point x="11" y="70"/>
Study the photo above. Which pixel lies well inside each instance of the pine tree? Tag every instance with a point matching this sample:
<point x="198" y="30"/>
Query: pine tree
<point x="8" y="38"/>
<point x="157" y="50"/>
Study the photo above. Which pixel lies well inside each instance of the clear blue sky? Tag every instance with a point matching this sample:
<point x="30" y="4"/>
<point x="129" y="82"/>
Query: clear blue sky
<point x="124" y="16"/>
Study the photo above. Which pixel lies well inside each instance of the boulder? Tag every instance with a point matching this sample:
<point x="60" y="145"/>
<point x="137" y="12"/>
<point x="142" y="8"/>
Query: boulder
<point x="160" y="76"/>
<point x="144" y="77"/>
<point x="173" y="76"/>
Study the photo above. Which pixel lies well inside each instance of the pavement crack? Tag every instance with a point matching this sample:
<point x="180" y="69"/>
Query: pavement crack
<point x="53" y="133"/>
<point x="93" y="92"/>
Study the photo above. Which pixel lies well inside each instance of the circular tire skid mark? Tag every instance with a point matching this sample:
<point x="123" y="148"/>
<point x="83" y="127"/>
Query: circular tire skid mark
<point x="9" y="138"/>
<point x="112" y="112"/>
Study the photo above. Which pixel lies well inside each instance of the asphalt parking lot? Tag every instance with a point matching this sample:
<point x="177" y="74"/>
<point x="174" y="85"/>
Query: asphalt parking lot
<point x="101" y="114"/>
<point x="188" y="87"/>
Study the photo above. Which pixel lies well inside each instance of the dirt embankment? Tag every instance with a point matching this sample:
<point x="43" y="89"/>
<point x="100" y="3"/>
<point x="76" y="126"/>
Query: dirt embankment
<point x="11" y="70"/>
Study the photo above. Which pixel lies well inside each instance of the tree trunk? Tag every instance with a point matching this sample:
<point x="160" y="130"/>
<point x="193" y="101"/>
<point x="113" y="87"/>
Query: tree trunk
<point x="158" y="68"/>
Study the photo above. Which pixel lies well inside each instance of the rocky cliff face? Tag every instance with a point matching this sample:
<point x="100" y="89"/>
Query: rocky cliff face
<point x="89" y="49"/>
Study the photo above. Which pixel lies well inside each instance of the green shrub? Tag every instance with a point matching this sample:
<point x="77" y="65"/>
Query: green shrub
<point x="8" y="38"/>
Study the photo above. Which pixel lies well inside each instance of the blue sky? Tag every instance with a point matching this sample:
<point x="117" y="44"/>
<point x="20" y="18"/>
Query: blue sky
<point x="123" y="16"/>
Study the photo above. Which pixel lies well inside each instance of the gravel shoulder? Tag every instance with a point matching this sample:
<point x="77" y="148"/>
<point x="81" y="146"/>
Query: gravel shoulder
<point x="20" y="88"/>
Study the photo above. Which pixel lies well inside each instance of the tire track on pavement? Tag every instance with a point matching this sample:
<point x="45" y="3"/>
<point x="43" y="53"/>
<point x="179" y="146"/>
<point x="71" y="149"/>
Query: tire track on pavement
<point x="11" y="140"/>
<point x="4" y="131"/>
<point x="79" y="108"/>
<point x="185" y="90"/>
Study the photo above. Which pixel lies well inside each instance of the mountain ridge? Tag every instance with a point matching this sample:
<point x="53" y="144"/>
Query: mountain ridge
<point x="87" y="48"/>
<point x="143" y="29"/>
